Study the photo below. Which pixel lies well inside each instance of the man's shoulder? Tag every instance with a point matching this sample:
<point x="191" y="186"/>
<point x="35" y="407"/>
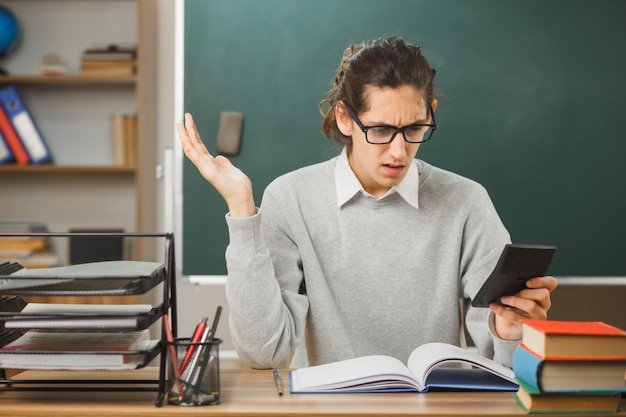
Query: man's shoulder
<point x="432" y="177"/>
<point x="306" y="187"/>
<point x="306" y="176"/>
<point x="430" y="174"/>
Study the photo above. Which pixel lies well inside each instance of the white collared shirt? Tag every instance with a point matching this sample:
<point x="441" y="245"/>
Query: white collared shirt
<point x="348" y="185"/>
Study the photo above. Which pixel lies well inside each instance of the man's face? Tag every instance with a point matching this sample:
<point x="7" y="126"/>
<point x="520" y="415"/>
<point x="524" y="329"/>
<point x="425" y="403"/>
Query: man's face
<point x="380" y="167"/>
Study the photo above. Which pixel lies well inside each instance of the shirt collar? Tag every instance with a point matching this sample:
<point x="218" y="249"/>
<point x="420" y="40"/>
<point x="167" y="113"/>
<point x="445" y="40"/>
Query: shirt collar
<point x="348" y="185"/>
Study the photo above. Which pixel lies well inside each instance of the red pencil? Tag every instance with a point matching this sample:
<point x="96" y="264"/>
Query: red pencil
<point x="197" y="335"/>
<point x="174" y="357"/>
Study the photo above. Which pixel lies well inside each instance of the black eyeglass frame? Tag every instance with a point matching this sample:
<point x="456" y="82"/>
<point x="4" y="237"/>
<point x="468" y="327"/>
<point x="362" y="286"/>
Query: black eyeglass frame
<point x="397" y="130"/>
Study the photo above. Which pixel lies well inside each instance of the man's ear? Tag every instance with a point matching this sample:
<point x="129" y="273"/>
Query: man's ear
<point x="343" y="118"/>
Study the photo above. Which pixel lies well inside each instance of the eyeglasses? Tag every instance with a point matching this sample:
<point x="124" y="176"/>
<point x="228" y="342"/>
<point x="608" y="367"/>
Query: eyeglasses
<point x="381" y="135"/>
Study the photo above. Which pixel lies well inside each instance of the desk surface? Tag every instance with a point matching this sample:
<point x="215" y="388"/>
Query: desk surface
<point x="246" y="392"/>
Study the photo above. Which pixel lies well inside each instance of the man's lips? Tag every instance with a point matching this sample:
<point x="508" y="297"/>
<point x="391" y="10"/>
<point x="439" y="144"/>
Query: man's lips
<point x="392" y="169"/>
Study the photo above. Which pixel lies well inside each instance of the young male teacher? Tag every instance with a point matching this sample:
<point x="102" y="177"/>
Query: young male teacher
<point x="370" y="251"/>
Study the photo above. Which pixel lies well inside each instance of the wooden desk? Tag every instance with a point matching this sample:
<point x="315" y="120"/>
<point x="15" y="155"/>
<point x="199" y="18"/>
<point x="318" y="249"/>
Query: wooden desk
<point x="248" y="393"/>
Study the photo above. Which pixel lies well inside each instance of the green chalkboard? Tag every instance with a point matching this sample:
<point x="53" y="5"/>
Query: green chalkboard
<point x="532" y="104"/>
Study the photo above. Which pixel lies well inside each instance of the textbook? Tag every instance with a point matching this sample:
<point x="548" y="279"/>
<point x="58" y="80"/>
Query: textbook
<point x="566" y="375"/>
<point x="578" y="403"/>
<point x="425" y="371"/>
<point x="574" y="339"/>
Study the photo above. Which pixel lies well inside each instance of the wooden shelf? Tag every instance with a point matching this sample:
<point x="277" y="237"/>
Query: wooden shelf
<point x="65" y="169"/>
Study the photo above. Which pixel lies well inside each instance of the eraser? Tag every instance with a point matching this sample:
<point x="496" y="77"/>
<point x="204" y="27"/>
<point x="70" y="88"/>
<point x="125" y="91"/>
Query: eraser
<point x="229" y="133"/>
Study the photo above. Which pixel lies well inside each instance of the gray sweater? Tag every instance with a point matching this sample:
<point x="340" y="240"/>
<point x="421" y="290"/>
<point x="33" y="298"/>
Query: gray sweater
<point x="376" y="276"/>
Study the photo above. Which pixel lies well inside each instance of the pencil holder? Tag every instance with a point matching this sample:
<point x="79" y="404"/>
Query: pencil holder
<point x="196" y="381"/>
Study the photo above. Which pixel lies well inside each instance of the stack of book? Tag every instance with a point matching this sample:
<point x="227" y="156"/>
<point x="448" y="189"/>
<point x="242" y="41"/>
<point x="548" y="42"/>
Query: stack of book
<point x="109" y="60"/>
<point x="29" y="251"/>
<point x="570" y="367"/>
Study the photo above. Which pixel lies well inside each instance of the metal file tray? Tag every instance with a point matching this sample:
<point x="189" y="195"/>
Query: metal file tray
<point x="81" y="360"/>
<point x="94" y="278"/>
<point x="17" y="314"/>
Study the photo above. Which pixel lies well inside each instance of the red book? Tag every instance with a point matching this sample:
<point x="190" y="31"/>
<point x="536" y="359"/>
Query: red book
<point x="552" y="339"/>
<point x="12" y="139"/>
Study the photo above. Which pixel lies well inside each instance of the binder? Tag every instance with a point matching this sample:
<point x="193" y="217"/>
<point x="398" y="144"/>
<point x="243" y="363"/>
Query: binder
<point x="12" y="139"/>
<point x="5" y="151"/>
<point x="24" y="125"/>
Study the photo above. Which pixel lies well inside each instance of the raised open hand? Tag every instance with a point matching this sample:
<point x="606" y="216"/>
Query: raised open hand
<point x="232" y="184"/>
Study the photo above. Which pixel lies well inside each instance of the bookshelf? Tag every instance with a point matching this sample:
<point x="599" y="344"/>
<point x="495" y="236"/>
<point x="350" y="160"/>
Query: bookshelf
<point x="83" y="187"/>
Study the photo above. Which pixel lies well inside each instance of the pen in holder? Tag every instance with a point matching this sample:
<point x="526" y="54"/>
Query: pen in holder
<point x="199" y="378"/>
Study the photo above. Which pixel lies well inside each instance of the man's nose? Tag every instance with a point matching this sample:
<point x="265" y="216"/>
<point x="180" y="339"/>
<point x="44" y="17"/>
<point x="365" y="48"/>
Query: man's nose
<point x="397" y="146"/>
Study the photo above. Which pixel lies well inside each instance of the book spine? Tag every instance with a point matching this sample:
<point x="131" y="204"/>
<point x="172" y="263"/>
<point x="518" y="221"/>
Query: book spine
<point x="24" y="125"/>
<point x="118" y="139"/>
<point x="130" y="135"/>
<point x="527" y="368"/>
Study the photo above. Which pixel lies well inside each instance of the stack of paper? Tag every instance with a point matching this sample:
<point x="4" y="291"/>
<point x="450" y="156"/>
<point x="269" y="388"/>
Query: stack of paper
<point x="78" y="350"/>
